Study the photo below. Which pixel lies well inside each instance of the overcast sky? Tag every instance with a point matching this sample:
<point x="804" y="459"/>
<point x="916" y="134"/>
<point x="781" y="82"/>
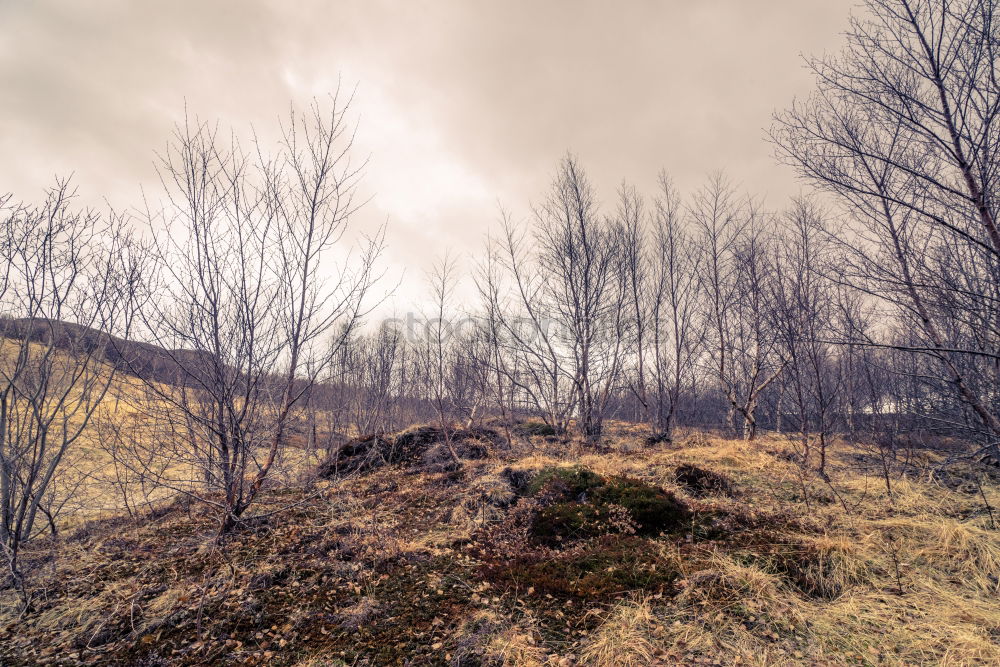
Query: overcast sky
<point x="460" y="103"/>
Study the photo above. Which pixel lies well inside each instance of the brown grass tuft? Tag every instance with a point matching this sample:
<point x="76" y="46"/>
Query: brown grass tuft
<point x="624" y="639"/>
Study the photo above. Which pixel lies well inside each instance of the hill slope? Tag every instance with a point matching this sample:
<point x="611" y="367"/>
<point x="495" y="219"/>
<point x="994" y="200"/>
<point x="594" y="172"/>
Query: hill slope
<point x="144" y="360"/>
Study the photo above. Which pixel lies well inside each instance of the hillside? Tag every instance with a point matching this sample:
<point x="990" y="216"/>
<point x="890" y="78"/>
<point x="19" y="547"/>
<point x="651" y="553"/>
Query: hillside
<point x="142" y="360"/>
<point x="710" y="551"/>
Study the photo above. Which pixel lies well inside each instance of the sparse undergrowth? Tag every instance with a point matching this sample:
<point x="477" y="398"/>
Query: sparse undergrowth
<point x="705" y="550"/>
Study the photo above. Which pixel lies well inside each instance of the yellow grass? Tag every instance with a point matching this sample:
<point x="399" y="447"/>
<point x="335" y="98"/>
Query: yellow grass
<point x="948" y="557"/>
<point x="624" y="639"/>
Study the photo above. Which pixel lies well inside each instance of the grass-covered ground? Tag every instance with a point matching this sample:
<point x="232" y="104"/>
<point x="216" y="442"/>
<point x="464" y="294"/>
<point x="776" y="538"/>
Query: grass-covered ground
<point x="708" y="551"/>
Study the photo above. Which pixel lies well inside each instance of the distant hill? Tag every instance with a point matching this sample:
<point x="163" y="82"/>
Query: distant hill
<point x="143" y="360"/>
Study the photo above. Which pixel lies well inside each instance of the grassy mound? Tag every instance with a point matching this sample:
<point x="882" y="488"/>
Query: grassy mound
<point x="533" y="427"/>
<point x="577" y="503"/>
<point x="701" y="482"/>
<point x="416" y="445"/>
<point x="565" y="482"/>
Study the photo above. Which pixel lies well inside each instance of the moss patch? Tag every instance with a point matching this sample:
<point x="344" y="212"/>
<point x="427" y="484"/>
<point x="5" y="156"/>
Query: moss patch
<point x="578" y="503"/>
<point x="571" y="521"/>
<point x="565" y="483"/>
<point x="653" y="509"/>
<point x="534" y="427"/>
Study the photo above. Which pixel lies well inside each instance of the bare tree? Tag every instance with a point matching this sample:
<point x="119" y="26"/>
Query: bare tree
<point x="437" y="348"/>
<point x="902" y="129"/>
<point x="471" y="375"/>
<point x="578" y="257"/>
<point x="374" y="381"/>
<point x="530" y="366"/>
<point x="678" y="327"/>
<point x="803" y="318"/>
<point x="635" y="270"/>
<point x="253" y="294"/>
<point x="558" y="308"/>
<point x="660" y="268"/>
<point x="735" y="270"/>
<point x="70" y="280"/>
<point x="501" y="382"/>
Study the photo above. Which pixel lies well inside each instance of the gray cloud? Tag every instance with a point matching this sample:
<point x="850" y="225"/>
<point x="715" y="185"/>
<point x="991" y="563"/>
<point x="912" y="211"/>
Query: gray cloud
<point x="460" y="102"/>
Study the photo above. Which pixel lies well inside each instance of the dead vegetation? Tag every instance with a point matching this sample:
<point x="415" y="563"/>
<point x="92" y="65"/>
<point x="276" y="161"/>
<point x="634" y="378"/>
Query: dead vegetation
<point x="706" y="551"/>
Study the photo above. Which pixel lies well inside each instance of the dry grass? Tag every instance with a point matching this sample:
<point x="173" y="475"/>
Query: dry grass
<point x="726" y="586"/>
<point x="519" y="644"/>
<point x="624" y="639"/>
<point x="834" y="565"/>
<point x="389" y="566"/>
